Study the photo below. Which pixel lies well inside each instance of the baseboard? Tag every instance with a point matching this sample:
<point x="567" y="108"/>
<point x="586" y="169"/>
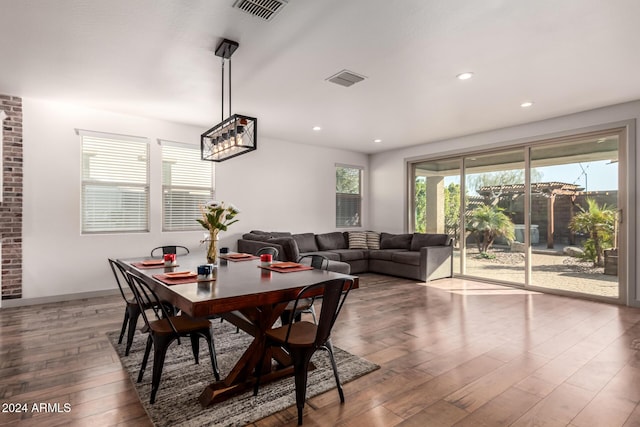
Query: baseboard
<point x="21" y="302"/>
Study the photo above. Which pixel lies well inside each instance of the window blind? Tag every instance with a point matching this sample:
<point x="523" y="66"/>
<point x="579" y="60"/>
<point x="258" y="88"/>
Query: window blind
<point x="187" y="183"/>
<point x="115" y="183"/>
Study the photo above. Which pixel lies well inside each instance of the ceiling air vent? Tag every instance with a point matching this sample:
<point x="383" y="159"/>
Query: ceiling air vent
<point x="264" y="9"/>
<point x="345" y="78"/>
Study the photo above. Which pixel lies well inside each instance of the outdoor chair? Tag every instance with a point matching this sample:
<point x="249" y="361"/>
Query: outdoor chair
<point x="302" y="339"/>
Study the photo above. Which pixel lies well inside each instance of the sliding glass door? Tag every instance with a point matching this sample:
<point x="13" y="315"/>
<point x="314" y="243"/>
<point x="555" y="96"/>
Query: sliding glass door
<point x="574" y="208"/>
<point x="494" y="195"/>
<point x="546" y="215"/>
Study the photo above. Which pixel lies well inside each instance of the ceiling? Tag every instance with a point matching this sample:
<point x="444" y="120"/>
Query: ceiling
<point x="155" y="58"/>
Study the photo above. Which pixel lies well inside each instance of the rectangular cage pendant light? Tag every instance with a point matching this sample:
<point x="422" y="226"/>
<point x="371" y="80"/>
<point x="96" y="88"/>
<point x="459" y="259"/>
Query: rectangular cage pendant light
<point x="235" y="135"/>
<point x="232" y="137"/>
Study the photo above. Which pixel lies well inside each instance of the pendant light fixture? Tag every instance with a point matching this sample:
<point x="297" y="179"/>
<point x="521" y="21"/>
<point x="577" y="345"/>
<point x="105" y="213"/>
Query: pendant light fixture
<point x="235" y="135"/>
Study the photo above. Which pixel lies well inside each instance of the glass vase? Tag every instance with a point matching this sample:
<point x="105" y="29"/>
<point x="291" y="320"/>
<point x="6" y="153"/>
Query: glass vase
<point x="212" y="253"/>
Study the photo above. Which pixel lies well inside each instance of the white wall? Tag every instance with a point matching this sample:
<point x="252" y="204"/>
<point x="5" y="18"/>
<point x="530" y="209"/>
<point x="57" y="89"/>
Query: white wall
<point x="388" y="170"/>
<point x="281" y="186"/>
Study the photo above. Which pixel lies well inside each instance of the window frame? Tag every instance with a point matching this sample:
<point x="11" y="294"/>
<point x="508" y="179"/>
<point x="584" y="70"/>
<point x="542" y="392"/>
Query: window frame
<point x="349" y="196"/>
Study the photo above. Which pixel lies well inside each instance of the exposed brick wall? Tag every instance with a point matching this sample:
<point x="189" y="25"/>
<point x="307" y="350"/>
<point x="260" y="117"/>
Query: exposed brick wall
<point x="11" y="206"/>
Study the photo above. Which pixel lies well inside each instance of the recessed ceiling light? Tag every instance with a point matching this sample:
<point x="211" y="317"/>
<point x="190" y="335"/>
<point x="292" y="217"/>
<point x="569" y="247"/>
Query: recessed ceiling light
<point x="465" y="76"/>
<point x="317" y="128"/>
<point x="526" y="104"/>
<point x="377" y="140"/>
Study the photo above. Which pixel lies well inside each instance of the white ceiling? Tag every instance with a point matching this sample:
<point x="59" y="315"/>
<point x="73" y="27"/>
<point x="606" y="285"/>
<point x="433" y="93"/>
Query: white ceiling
<point x="155" y="58"/>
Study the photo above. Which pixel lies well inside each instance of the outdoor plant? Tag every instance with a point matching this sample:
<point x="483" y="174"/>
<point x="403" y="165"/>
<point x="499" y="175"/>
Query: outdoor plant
<point x="599" y="222"/>
<point x="486" y="223"/>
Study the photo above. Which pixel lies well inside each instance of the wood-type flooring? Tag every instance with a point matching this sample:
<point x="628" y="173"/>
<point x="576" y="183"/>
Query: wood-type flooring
<point x="458" y="353"/>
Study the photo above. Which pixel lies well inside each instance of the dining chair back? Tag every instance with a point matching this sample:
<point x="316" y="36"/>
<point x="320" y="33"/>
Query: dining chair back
<point x="132" y="311"/>
<point x="319" y="262"/>
<point x="171" y="249"/>
<point x="302" y="339"/>
<point x="268" y="250"/>
<point x="163" y="328"/>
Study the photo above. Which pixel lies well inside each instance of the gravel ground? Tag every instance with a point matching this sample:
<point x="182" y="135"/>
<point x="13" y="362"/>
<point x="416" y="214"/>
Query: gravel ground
<point x="548" y="271"/>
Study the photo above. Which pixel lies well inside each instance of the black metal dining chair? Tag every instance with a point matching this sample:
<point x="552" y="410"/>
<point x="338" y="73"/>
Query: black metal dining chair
<point x="165" y="329"/>
<point x="319" y="262"/>
<point x="171" y="249"/>
<point x="268" y="250"/>
<point x="131" y="311"/>
<point x="302" y="339"/>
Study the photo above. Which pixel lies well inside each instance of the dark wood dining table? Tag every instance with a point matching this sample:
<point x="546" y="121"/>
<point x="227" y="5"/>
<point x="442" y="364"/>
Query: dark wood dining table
<point x="243" y="293"/>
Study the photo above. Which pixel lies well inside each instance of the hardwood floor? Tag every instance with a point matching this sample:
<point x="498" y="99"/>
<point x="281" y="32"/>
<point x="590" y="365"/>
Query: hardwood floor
<point x="457" y="353"/>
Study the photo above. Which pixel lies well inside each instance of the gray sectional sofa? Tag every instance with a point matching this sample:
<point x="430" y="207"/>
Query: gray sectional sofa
<point x="415" y="256"/>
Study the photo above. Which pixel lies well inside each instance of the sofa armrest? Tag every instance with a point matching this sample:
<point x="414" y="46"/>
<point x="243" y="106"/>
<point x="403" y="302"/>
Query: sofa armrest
<point x="436" y="262"/>
<point x="252" y="247"/>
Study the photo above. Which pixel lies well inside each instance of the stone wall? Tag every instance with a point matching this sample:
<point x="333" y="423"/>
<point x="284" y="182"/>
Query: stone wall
<point x="11" y="205"/>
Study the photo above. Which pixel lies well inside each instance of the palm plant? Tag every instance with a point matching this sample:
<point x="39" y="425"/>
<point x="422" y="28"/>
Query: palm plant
<point x="599" y="222"/>
<point x="488" y="222"/>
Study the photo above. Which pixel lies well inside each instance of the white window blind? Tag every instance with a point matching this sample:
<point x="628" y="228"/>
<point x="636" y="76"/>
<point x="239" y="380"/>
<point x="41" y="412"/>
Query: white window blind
<point x="187" y="183"/>
<point x="348" y="196"/>
<point x="115" y="183"/>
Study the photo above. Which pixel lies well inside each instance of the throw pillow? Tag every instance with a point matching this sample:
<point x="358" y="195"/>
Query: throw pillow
<point x="357" y="240"/>
<point x="331" y="241"/>
<point x="306" y="242"/>
<point x="395" y="241"/>
<point x="373" y="240"/>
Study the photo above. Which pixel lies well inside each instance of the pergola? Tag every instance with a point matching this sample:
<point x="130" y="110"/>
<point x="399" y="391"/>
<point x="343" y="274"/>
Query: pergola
<point x="549" y="190"/>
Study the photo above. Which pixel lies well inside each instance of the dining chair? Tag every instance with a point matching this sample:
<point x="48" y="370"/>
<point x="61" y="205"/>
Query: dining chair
<point x="165" y="329"/>
<point x="268" y="250"/>
<point x="319" y="262"/>
<point x="171" y="249"/>
<point x="302" y="339"/>
<point x="131" y="311"/>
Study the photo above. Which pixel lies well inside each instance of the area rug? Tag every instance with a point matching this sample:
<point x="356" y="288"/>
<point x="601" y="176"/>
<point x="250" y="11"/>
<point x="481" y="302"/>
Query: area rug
<point x="183" y="381"/>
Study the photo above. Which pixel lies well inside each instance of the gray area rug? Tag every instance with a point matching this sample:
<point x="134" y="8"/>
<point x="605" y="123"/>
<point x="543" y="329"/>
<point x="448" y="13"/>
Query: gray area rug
<point x="183" y="381"/>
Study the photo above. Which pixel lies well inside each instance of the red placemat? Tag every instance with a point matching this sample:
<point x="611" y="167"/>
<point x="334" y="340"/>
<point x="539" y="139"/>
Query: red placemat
<point x="175" y="280"/>
<point x="140" y="265"/>
<point x="290" y="267"/>
<point x="238" y="257"/>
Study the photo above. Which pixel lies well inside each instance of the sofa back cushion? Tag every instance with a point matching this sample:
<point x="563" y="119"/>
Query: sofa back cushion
<point x="328" y="241"/>
<point x="253" y="236"/>
<point x="420" y="240"/>
<point x="306" y="242"/>
<point x="395" y="241"/>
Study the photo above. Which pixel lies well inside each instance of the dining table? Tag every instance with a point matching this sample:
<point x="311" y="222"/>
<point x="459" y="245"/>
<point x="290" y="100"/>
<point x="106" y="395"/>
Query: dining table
<point x="242" y="291"/>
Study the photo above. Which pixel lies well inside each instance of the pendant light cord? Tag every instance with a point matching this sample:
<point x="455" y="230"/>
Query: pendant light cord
<point x="222" y="94"/>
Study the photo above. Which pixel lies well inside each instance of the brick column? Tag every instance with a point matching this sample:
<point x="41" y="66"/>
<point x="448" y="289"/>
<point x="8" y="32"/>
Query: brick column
<point x="11" y="205"/>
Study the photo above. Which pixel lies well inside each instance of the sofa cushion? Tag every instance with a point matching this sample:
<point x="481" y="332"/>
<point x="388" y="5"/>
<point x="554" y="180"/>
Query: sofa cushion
<point x="329" y="241"/>
<point x="291" y="252"/>
<point x="373" y="240"/>
<point x="420" y="240"/>
<point x="384" y="254"/>
<point x="406" y="257"/>
<point x="258" y="237"/>
<point x="351" y="254"/>
<point x="357" y="240"/>
<point x="395" y="241"/>
<point x="329" y="254"/>
<point x="306" y="242"/>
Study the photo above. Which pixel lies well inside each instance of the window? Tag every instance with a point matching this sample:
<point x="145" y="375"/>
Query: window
<point x="348" y="196"/>
<point x="187" y="183"/>
<point x="115" y="183"/>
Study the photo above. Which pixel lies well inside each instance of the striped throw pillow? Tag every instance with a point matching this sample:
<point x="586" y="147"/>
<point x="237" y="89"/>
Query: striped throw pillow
<point x="373" y="240"/>
<point x="357" y="240"/>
